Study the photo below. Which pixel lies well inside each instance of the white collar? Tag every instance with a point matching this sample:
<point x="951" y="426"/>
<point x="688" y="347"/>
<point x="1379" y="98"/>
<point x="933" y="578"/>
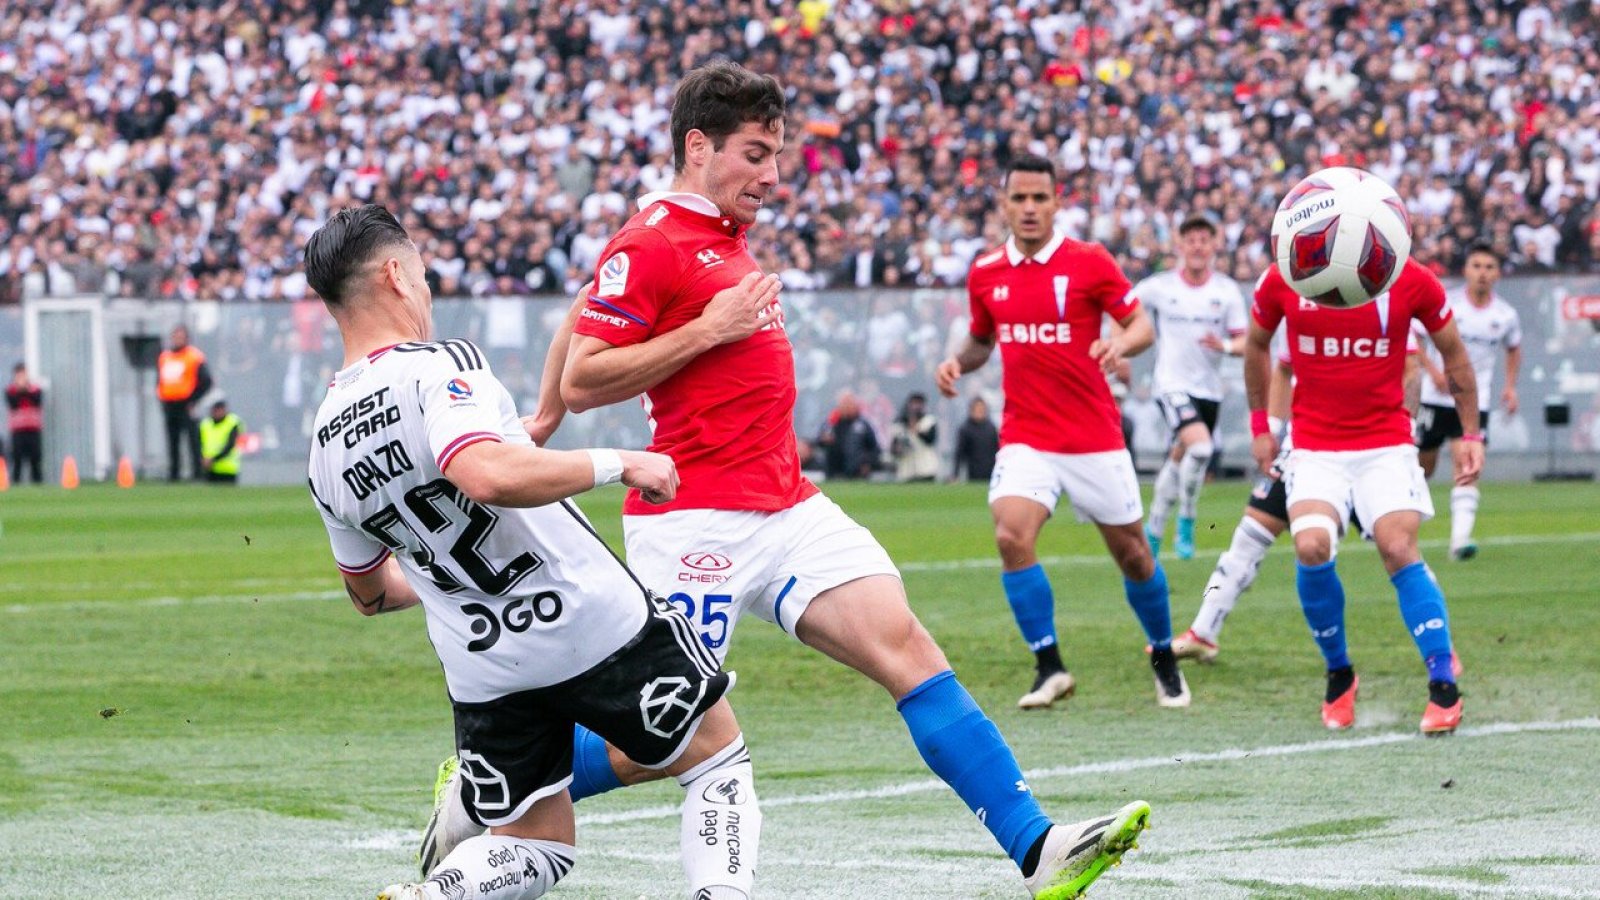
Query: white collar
<point x="1015" y="255"/>
<point x="692" y="202"/>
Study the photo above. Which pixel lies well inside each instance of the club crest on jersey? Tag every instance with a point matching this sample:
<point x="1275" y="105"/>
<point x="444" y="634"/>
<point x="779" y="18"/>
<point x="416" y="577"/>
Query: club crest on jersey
<point x="1001" y="293"/>
<point x="709" y="258"/>
<point x="1061" y="282"/>
<point x="458" y="390"/>
<point x="613" y="277"/>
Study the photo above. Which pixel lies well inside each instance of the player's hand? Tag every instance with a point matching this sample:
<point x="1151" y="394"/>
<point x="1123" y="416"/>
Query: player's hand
<point x="1265" y="449"/>
<point x="1468" y="461"/>
<point x="945" y="375"/>
<point x="1107" y="352"/>
<point x="735" y="313"/>
<point x="540" y="427"/>
<point x="653" y="474"/>
<point x="1213" y="343"/>
<point x="1508" y="399"/>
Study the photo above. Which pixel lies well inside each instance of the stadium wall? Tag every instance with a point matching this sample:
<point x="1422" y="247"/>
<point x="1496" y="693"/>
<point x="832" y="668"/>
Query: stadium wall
<point x="272" y="361"/>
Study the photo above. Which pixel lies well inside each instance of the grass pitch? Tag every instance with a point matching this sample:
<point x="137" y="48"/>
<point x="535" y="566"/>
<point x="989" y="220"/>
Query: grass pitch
<point x="192" y="709"/>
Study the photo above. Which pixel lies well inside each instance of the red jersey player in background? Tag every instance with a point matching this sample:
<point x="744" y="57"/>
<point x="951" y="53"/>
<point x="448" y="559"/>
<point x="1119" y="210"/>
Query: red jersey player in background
<point x="1352" y="448"/>
<point x="680" y="312"/>
<point x="1042" y="298"/>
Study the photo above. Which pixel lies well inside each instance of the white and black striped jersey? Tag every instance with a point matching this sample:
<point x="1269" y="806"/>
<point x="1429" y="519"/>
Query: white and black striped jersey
<point x="514" y="598"/>
<point x="1487" y="331"/>
<point x="1184" y="313"/>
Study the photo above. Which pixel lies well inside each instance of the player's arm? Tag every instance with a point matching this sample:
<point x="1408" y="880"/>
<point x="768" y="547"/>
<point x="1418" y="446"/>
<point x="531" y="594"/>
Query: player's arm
<point x="599" y="373"/>
<point x="1134" y="335"/>
<point x="1462" y="382"/>
<point x="1413" y="381"/>
<point x="1280" y="391"/>
<point x="552" y="409"/>
<point x="974" y="352"/>
<point x="383" y="590"/>
<point x="495" y="473"/>
<point x="1508" y="396"/>
<point x="1257" y="387"/>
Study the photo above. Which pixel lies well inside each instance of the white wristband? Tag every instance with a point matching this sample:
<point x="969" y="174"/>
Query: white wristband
<point x="607" y="466"/>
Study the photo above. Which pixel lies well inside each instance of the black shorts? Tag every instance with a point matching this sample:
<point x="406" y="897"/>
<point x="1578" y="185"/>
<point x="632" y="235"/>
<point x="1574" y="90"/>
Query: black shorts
<point x="1270" y="496"/>
<point x="1437" y="424"/>
<point x="1180" y="409"/>
<point x="646" y="699"/>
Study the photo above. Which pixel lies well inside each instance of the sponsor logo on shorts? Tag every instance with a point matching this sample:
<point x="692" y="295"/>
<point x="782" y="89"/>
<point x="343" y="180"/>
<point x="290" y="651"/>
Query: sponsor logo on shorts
<point x="665" y="705"/>
<point x="706" y="561"/>
<point x="490" y="790"/>
<point x="727" y="791"/>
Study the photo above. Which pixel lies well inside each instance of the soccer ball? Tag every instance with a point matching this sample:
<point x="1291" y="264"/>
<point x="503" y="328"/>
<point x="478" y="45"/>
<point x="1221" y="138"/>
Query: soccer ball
<point x="1341" y="237"/>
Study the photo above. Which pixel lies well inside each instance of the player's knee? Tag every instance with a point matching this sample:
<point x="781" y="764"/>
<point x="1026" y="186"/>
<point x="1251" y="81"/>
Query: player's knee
<point x="1135" y="560"/>
<point x="1015" y="544"/>
<point x="1200" y="451"/>
<point x="1397" y="550"/>
<point x="1314" y="539"/>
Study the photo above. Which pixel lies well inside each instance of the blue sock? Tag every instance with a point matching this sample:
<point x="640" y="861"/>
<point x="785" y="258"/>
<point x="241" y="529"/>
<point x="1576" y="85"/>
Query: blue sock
<point x="1149" y="601"/>
<point x="591" y="767"/>
<point x="962" y="747"/>
<point x="1033" y="604"/>
<point x="1322" y="600"/>
<point x="1422" y="607"/>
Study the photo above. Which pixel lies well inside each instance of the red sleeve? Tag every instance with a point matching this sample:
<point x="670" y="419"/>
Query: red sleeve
<point x="1428" y="304"/>
<point x="1112" y="290"/>
<point x="982" y="325"/>
<point x="1267" y="307"/>
<point x="632" y="282"/>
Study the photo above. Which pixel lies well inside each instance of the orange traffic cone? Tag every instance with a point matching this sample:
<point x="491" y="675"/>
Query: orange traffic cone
<point x="69" y="473"/>
<point x="5" y="475"/>
<point x="125" y="473"/>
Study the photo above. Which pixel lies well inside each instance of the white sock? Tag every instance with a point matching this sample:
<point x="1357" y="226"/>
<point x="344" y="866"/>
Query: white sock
<point x="500" y="867"/>
<point x="1463" y="515"/>
<point x="721" y="828"/>
<point x="1166" y="496"/>
<point x="1191" y="475"/>
<point x="1235" y="572"/>
<point x="448" y="829"/>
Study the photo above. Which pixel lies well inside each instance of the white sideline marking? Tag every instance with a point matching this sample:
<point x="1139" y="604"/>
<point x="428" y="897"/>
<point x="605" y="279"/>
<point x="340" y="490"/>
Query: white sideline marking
<point x="1459" y="886"/>
<point x="1080" y="559"/>
<point x="145" y="602"/>
<point x="927" y="785"/>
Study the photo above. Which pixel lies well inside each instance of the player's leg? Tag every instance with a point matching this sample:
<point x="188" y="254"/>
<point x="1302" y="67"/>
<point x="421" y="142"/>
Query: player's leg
<point x="1464" y="507"/>
<point x="868" y="625"/>
<point x="1319" y="502"/>
<point x="1194" y="439"/>
<point x="1022" y="495"/>
<point x="1235" y="572"/>
<point x="1391" y="493"/>
<point x="1164" y="498"/>
<point x="516" y="861"/>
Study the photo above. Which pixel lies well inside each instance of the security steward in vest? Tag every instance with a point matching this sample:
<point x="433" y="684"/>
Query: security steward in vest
<point x="181" y="380"/>
<point x="219" y="444"/>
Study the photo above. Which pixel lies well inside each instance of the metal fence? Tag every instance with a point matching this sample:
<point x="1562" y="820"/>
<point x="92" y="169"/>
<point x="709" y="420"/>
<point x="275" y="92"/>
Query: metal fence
<point x="273" y="361"/>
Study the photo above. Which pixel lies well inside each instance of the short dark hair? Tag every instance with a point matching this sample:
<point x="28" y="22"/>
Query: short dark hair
<point x="1195" y="222"/>
<point x="19" y="367"/>
<point x="1485" y="248"/>
<point x="1029" y="162"/>
<point x="345" y="243"/>
<point x="717" y="99"/>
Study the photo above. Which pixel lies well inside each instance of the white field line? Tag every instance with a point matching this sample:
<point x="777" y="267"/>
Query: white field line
<point x="1345" y="546"/>
<point x="946" y="565"/>
<point x="929" y="785"/>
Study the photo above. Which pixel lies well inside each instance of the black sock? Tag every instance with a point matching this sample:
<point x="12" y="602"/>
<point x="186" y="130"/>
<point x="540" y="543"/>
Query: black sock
<point x="1444" y="693"/>
<point x="1030" y="862"/>
<point x="1048" y="659"/>
<point x="1339" y="681"/>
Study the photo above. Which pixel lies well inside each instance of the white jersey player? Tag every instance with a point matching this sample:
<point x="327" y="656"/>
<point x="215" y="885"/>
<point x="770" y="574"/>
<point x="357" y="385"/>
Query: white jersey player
<point x="433" y="493"/>
<point x="1199" y="316"/>
<point x="1488" y="325"/>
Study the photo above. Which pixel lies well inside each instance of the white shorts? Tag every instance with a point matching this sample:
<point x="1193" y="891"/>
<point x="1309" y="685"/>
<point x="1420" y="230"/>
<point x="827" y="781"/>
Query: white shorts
<point x="1101" y="486"/>
<point x="1373" y="482"/>
<point x="714" y="564"/>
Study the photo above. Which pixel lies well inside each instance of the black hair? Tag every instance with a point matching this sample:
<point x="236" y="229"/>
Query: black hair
<point x="1483" y="247"/>
<point x="717" y="99"/>
<point x="1195" y="222"/>
<point x="18" y="368"/>
<point x="345" y="243"/>
<point x="1028" y="162"/>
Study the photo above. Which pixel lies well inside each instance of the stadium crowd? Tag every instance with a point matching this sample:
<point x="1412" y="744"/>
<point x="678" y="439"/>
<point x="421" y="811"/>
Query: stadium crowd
<point x="188" y="149"/>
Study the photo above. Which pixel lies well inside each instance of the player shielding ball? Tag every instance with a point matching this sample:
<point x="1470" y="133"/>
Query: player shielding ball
<point x="1488" y="324"/>
<point x="1353" y="448"/>
<point x="433" y="494"/>
<point x="681" y="313"/>
<point x="1041" y="297"/>
<point x="1199" y="316"/>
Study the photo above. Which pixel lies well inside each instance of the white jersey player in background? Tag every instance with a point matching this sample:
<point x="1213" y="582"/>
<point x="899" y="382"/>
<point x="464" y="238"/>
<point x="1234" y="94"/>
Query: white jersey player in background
<point x="433" y="493"/>
<point x="1199" y="316"/>
<point x="1488" y="324"/>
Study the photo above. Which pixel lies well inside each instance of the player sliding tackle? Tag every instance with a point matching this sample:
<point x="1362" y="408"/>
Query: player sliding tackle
<point x="433" y="494"/>
<point x="680" y="312"/>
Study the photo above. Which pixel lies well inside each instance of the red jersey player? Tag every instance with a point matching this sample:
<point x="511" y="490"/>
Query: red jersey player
<point x="1352" y="448"/>
<point x="1042" y="298"/>
<point x="680" y="312"/>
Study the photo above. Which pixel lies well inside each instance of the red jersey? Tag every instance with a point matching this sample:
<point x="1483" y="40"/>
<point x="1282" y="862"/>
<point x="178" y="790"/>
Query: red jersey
<point x="1045" y="311"/>
<point x="1349" y="364"/>
<point x="727" y="417"/>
